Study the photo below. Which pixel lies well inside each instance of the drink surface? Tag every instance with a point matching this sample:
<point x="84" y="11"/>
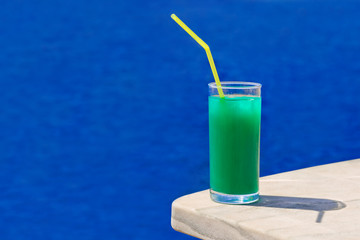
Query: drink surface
<point x="234" y="134"/>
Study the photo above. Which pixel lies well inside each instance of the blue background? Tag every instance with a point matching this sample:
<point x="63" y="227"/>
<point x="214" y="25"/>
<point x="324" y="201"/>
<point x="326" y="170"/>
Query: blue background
<point x="104" y="104"/>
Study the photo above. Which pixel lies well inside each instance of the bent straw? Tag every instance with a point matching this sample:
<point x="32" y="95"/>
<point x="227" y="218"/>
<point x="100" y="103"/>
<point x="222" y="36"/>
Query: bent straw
<point x="207" y="50"/>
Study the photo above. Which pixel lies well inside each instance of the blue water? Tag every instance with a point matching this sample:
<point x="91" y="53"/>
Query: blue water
<point x="104" y="104"/>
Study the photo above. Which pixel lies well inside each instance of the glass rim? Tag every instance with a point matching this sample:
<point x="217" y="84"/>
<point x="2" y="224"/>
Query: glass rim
<point x="242" y="85"/>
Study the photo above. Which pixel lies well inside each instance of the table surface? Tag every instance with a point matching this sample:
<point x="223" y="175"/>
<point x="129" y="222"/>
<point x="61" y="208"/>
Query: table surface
<point x="321" y="202"/>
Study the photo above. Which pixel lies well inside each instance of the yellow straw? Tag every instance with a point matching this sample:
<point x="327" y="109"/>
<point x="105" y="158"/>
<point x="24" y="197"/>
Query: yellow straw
<point x="207" y="50"/>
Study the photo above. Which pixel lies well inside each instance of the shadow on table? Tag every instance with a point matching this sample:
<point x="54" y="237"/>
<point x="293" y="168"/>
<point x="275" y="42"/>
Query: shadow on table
<point x="316" y="204"/>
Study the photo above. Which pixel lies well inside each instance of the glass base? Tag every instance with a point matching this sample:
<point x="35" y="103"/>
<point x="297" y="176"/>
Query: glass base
<point x="233" y="199"/>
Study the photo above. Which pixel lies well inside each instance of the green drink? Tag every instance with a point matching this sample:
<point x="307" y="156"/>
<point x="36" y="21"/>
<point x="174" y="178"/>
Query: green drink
<point x="234" y="134"/>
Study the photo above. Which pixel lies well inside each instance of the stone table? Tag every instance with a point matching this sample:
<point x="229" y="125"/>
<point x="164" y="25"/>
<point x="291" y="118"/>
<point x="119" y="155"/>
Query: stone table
<point x="320" y="202"/>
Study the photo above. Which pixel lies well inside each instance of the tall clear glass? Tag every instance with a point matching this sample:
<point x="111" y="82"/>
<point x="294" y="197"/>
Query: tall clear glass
<point x="234" y="135"/>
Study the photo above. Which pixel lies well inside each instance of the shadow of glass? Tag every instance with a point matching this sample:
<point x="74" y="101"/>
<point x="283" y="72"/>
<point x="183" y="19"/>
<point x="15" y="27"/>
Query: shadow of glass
<point x="315" y="204"/>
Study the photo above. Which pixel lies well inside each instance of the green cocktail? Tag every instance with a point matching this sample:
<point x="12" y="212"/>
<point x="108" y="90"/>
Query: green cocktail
<point x="234" y="133"/>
